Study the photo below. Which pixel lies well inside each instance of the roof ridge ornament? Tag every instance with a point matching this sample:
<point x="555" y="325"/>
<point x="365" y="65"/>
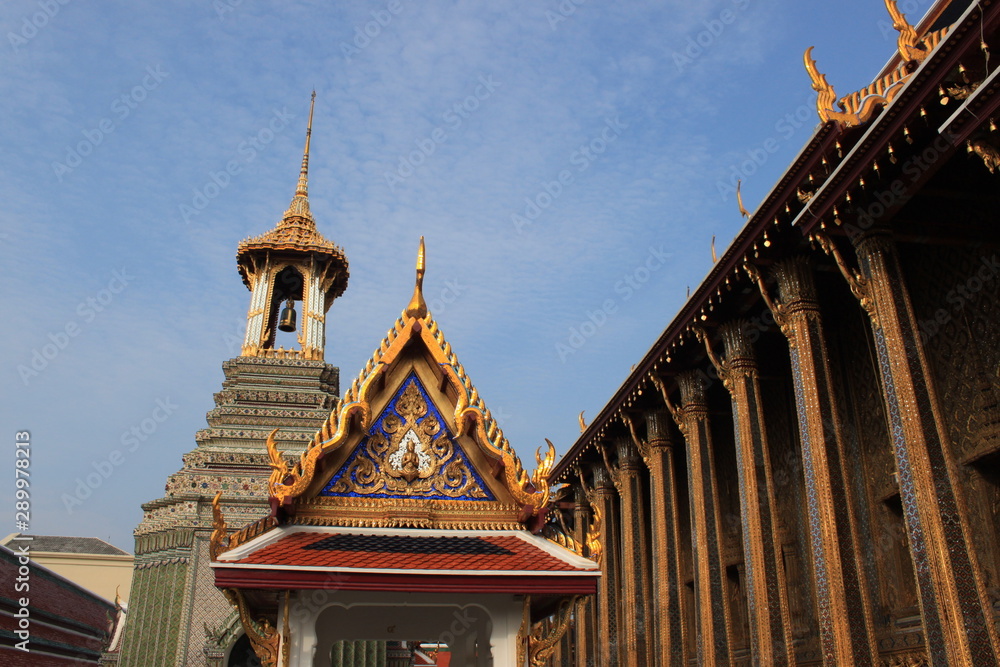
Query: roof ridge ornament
<point x="298" y="210"/>
<point x="826" y="95"/>
<point x="417" y="308"/>
<point x="303" y="185"/>
<point x="861" y="106"/>
<point x="908" y="43"/>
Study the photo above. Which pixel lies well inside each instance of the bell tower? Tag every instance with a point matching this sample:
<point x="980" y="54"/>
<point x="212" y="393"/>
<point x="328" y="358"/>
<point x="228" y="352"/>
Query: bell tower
<point x="177" y="616"/>
<point x="291" y="264"/>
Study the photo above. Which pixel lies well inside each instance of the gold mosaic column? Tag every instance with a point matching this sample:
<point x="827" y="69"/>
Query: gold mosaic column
<point x="767" y="598"/>
<point x="633" y="625"/>
<point x="603" y="498"/>
<point x="583" y="633"/>
<point x="668" y="611"/>
<point x="842" y="590"/>
<point x="711" y="601"/>
<point x="957" y="615"/>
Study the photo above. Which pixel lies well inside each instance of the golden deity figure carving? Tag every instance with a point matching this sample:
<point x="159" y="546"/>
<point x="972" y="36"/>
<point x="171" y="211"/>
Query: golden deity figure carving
<point x="409" y="453"/>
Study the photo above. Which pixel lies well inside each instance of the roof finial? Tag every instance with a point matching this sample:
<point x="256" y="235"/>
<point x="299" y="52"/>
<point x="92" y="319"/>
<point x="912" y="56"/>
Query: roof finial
<point x="417" y="308"/>
<point x="303" y="187"/>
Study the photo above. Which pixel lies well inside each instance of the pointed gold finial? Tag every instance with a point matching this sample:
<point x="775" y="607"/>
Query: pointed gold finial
<point x="417" y="308"/>
<point x="583" y="424"/>
<point x="826" y="97"/>
<point x="303" y="186"/>
<point x="298" y="211"/>
<point x="908" y="42"/>
<point x="739" y="199"/>
<point x="715" y="258"/>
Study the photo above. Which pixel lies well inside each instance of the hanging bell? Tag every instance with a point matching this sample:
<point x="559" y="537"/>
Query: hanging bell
<point x="287" y="322"/>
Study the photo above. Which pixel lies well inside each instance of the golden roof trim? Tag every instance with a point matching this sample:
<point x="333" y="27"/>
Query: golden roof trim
<point x="288" y="481"/>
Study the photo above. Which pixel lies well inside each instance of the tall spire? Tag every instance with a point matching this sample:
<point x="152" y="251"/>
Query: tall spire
<point x="303" y="187"/>
<point x="299" y="208"/>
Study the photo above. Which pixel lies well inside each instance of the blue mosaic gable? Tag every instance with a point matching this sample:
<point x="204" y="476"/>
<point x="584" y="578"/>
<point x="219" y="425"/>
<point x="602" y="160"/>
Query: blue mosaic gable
<point x="445" y="472"/>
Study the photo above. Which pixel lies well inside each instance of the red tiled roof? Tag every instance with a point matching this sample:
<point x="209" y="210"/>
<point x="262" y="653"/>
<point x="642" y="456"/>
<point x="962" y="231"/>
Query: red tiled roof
<point x="407" y="552"/>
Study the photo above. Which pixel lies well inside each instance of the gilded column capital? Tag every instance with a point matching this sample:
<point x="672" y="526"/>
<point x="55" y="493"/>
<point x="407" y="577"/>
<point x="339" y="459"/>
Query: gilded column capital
<point x="736" y="340"/>
<point x="628" y="454"/>
<point x="796" y="283"/>
<point x="602" y="479"/>
<point x="738" y="357"/>
<point x="672" y="409"/>
<point x="876" y="235"/>
<point x="693" y="392"/>
<point x="658" y="433"/>
<point x="582" y="502"/>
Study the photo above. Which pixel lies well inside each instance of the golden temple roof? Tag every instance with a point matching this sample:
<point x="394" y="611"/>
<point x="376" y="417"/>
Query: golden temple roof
<point x="357" y="410"/>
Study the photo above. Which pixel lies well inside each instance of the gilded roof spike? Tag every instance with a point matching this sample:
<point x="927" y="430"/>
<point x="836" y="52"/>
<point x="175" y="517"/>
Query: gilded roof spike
<point x="908" y="40"/>
<point x="739" y="200"/>
<point x="826" y="97"/>
<point x="417" y="308"/>
<point x="303" y="186"/>
<point x="299" y="208"/>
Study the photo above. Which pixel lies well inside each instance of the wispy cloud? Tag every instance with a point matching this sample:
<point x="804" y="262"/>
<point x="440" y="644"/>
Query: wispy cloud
<point x="558" y="83"/>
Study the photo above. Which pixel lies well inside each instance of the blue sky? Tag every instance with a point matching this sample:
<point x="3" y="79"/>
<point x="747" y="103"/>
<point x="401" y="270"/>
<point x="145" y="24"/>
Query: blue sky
<point x="567" y="162"/>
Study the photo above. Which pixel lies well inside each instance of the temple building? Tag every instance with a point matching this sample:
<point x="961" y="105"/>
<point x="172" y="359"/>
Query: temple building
<point x="408" y="521"/>
<point x="408" y="518"/>
<point x="805" y="467"/>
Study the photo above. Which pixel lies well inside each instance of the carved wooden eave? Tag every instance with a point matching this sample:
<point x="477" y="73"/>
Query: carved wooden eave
<point x="811" y="195"/>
